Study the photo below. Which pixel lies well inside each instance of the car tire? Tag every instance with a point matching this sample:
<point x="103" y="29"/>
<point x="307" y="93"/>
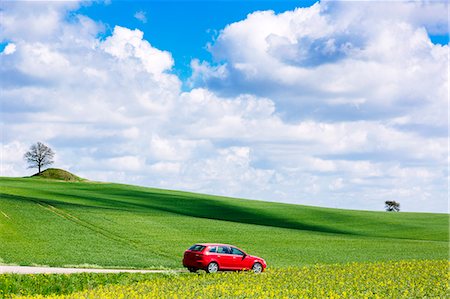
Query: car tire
<point x="213" y="267"/>
<point x="192" y="270"/>
<point x="257" y="268"/>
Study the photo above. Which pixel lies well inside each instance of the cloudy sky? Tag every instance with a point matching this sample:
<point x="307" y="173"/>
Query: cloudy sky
<point x="335" y="104"/>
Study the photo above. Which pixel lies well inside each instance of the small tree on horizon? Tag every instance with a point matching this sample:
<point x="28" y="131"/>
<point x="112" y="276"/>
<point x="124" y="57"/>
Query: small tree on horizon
<point x="392" y="206"/>
<point x="39" y="156"/>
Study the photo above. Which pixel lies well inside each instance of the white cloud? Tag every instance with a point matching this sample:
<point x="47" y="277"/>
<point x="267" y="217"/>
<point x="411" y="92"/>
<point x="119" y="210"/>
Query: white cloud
<point x="141" y="16"/>
<point x="175" y="149"/>
<point x="164" y="168"/>
<point x="349" y="133"/>
<point x="228" y="172"/>
<point x="124" y="163"/>
<point x="126" y="44"/>
<point x="334" y="61"/>
<point x="10" y="48"/>
<point x="11" y="155"/>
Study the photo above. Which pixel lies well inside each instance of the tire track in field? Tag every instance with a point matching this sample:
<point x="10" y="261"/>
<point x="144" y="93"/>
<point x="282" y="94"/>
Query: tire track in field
<point x="107" y="234"/>
<point x="59" y="270"/>
<point x="65" y="215"/>
<point x="6" y="215"/>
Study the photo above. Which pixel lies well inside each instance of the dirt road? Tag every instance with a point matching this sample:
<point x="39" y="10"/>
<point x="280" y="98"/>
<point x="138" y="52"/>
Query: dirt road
<point x="46" y="270"/>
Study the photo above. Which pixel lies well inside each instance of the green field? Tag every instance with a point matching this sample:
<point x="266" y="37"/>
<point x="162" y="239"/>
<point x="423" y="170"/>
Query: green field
<point x="58" y="223"/>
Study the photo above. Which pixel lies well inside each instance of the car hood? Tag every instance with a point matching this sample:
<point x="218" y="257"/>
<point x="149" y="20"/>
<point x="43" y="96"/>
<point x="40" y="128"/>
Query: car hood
<point x="255" y="257"/>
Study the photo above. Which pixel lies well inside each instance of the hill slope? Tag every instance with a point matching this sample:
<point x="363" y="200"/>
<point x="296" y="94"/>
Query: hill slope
<point x="71" y="223"/>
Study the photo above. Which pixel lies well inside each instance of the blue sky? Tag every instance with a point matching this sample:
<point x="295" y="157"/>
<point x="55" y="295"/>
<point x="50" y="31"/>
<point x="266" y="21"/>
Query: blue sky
<point x="182" y="27"/>
<point x="334" y="104"/>
<point x="185" y="28"/>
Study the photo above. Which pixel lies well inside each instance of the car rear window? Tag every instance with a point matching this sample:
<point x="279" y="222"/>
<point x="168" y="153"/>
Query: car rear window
<point x="196" y="247"/>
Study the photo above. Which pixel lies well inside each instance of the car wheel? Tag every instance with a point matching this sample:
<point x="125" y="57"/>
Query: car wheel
<point x="212" y="267"/>
<point x="257" y="268"/>
<point x="193" y="270"/>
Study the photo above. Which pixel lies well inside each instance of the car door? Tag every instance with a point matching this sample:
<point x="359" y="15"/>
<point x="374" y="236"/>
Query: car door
<point x="238" y="262"/>
<point x="224" y="257"/>
<point x="211" y="255"/>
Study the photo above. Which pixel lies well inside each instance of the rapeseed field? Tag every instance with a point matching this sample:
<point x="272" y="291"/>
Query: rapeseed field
<point x="401" y="279"/>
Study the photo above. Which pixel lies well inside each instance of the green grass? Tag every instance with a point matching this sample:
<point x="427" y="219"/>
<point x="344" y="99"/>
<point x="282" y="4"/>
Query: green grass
<point x="57" y="223"/>
<point x="60" y="284"/>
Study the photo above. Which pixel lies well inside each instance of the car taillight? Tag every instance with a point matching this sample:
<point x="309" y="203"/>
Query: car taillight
<point x="198" y="256"/>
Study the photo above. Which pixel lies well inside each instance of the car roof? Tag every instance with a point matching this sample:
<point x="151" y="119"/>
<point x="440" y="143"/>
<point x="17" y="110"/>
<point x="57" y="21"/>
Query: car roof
<point x="214" y="244"/>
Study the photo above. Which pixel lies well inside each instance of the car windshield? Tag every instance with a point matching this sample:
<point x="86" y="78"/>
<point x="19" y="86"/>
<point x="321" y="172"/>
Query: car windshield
<point x="196" y="247"/>
<point x="236" y="251"/>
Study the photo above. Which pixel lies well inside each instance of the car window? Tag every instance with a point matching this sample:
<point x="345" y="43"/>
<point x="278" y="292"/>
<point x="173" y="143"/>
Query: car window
<point x="196" y="247"/>
<point x="236" y="251"/>
<point x="213" y="249"/>
<point x="223" y="249"/>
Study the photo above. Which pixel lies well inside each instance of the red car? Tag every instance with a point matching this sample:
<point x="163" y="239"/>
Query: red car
<point x="214" y="257"/>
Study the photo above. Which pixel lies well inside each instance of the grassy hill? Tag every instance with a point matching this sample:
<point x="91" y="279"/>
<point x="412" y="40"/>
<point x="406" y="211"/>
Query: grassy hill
<point x="51" y="222"/>
<point x="58" y="174"/>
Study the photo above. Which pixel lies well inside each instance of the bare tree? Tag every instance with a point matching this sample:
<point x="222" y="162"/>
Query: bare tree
<point x="392" y="206"/>
<point x="39" y="156"/>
